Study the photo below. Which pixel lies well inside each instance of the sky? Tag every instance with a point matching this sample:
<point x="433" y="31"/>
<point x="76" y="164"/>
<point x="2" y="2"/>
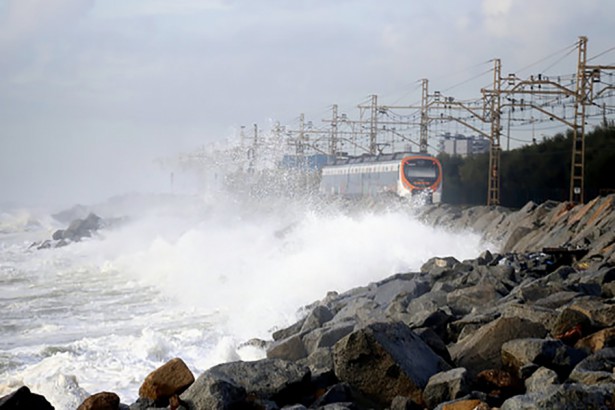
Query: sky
<point x="92" y="92"/>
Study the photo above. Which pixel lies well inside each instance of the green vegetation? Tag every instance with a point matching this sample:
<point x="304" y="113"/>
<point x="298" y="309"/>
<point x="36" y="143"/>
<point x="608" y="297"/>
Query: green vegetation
<point x="536" y="172"/>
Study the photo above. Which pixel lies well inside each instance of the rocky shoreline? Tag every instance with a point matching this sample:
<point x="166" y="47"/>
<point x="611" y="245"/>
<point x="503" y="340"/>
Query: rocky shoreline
<point x="532" y="326"/>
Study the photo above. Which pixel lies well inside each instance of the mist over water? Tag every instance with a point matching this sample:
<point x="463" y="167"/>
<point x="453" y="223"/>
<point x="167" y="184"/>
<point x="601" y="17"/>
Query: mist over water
<point x="186" y="276"/>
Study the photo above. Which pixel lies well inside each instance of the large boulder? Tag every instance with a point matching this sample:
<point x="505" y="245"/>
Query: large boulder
<point x="276" y="380"/>
<point x="481" y="350"/>
<point x="384" y="360"/>
<point x="170" y="379"/>
<point x="101" y="401"/>
<point x="552" y="354"/>
<point x="24" y="399"/>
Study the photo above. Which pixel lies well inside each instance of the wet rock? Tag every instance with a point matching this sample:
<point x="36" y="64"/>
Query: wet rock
<point x="553" y="354"/>
<point x="101" y="401"/>
<point x="170" y="379"/>
<point x="24" y="399"/>
<point x="481" y="351"/>
<point x="385" y="360"/>
<point x="446" y="386"/>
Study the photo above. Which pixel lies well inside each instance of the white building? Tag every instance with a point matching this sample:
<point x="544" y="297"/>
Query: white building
<point x="461" y="145"/>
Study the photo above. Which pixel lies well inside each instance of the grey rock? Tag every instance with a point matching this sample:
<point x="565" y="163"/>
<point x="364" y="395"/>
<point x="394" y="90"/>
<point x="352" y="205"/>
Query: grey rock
<point x="446" y="386"/>
<point x="317" y="317"/>
<point x="563" y="397"/>
<point x="596" y="369"/>
<point x="541" y="378"/>
<point x="481" y="350"/>
<point x="552" y="354"/>
<point x="384" y="360"/>
<point x="291" y="348"/>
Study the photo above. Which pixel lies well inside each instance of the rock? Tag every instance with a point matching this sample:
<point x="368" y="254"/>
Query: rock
<point x="481" y="351"/>
<point x="384" y="360"/>
<point x="317" y="317"/>
<point x="540" y="379"/>
<point x="436" y="266"/>
<point x="338" y="393"/>
<point x="268" y="379"/>
<point x="214" y="391"/>
<point x="101" y="401"/>
<point x="596" y="369"/>
<point x="170" y="379"/>
<point x="431" y="338"/>
<point x="552" y="354"/>
<point x="326" y="337"/>
<point x="24" y="399"/>
<point x="464" y="404"/>
<point x="570" y="326"/>
<point x="446" y="386"/>
<point x="564" y="397"/>
<point x="498" y="384"/>
<point x="465" y="300"/>
<point x="407" y="285"/>
<point x="291" y="348"/>
<point x="599" y="313"/>
<point x="597" y="341"/>
<point x="288" y="331"/>
<point x="320" y="363"/>
<point x="403" y="403"/>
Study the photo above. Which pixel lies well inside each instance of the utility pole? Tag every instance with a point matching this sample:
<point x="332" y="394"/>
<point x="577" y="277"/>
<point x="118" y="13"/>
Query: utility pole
<point x="582" y="97"/>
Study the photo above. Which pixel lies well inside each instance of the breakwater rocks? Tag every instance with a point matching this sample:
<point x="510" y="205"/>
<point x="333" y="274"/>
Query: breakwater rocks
<point x="530" y="327"/>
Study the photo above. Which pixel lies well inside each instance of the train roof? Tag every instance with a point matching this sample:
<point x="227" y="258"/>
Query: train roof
<point x="370" y="159"/>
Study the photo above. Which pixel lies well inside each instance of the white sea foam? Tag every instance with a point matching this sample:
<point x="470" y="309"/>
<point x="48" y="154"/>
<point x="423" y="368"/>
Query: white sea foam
<point x="193" y="280"/>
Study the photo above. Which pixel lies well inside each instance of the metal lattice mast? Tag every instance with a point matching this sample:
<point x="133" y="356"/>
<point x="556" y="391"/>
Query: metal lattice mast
<point x="577" y="169"/>
<point x="333" y="142"/>
<point x="493" y="195"/>
<point x="373" y="126"/>
<point x="424" y="116"/>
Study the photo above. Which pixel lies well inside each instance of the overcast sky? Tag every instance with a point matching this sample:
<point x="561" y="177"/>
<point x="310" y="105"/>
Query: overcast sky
<point x="92" y="91"/>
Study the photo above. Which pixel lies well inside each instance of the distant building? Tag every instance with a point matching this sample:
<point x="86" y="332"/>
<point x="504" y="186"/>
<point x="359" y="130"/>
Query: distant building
<point x="461" y="145"/>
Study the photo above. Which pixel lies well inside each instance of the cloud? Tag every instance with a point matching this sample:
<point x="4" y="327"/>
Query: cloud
<point x="496" y="14"/>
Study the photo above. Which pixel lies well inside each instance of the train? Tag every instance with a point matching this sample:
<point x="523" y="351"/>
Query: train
<point x="407" y="175"/>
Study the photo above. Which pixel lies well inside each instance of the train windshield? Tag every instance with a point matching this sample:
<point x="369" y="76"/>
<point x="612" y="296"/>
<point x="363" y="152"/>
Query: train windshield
<point x="421" y="169"/>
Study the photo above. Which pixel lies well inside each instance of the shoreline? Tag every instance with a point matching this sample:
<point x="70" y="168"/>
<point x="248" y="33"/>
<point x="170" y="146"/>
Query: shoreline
<point x="505" y="330"/>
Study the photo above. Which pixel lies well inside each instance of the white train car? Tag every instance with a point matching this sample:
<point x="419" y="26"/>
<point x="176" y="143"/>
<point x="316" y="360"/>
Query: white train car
<point x="405" y="175"/>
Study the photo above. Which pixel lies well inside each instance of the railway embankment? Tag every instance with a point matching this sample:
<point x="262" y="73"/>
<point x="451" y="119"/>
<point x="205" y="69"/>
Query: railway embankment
<point x="528" y="325"/>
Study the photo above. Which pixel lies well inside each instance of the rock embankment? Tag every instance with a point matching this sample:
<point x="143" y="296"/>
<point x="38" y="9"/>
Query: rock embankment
<point x="530" y="327"/>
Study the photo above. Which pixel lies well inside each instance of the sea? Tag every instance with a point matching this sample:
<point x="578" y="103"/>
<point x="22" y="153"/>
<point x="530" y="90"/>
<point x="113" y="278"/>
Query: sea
<point x="194" y="276"/>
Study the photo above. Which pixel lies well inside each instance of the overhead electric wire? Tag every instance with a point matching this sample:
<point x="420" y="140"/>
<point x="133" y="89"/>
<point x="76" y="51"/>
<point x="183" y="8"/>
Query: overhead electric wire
<point x="601" y="54"/>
